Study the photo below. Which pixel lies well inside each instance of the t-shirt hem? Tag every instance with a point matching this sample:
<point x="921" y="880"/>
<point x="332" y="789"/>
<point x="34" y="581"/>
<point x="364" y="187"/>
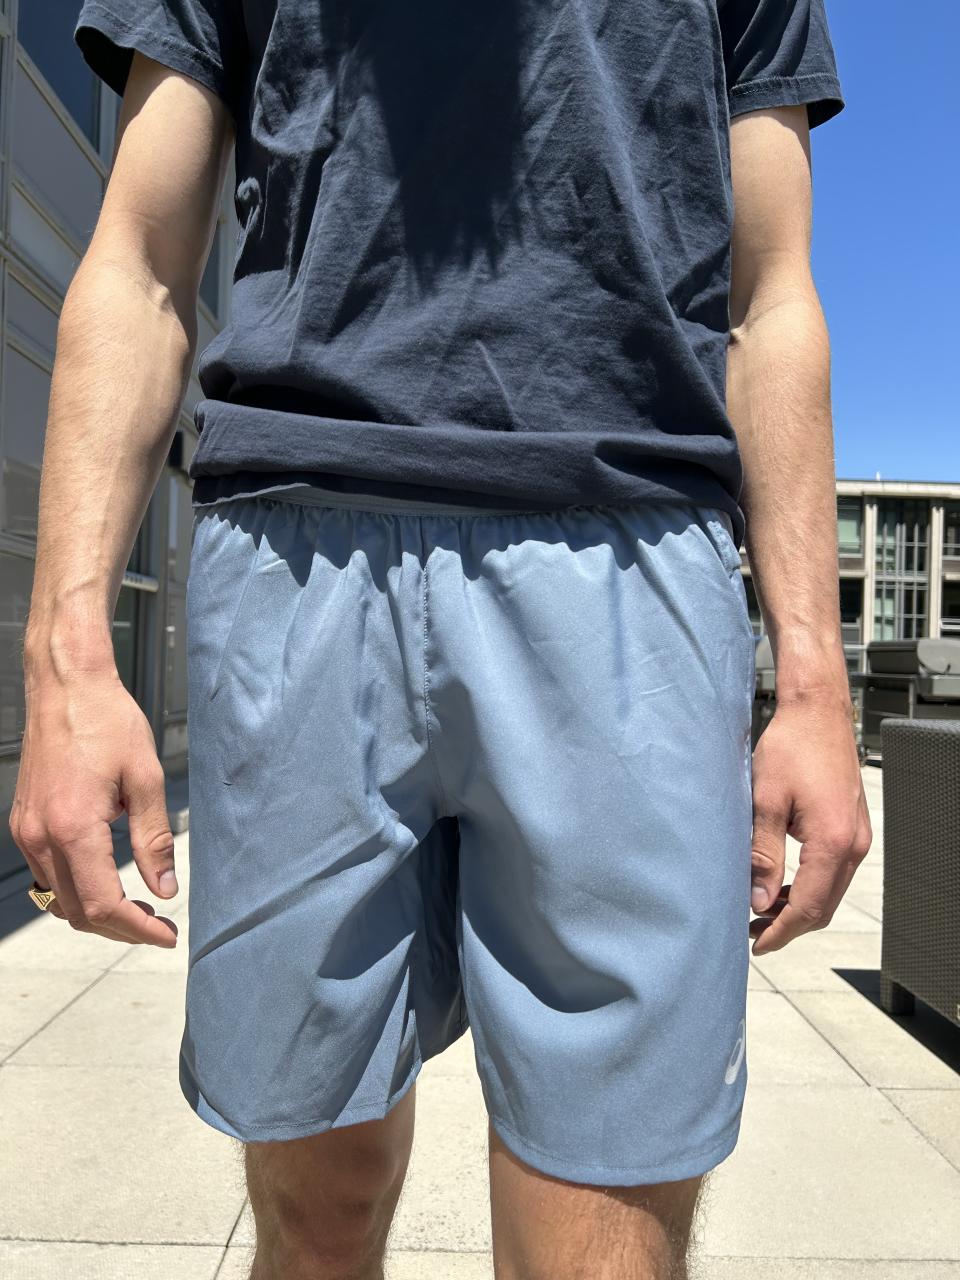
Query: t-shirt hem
<point x="540" y="470"/>
<point x="820" y="91"/>
<point x="113" y="65"/>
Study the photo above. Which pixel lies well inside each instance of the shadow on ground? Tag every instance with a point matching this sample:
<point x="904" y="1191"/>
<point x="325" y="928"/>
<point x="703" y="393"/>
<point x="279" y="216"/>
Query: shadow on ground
<point x="926" y="1026"/>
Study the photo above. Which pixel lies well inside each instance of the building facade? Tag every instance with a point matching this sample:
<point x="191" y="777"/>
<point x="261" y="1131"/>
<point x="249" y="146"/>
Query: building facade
<point x="899" y="554"/>
<point x="899" y="543"/>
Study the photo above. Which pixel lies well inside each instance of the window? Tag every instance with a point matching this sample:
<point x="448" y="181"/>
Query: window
<point x="210" y="283"/>
<point x="753" y="605"/>
<point x="16" y="584"/>
<point x="950" y="616"/>
<point x="851" y="622"/>
<point x="951" y="528"/>
<point x="46" y="32"/>
<point x="900" y="604"/>
<point x="850" y="526"/>
<point x="125" y="630"/>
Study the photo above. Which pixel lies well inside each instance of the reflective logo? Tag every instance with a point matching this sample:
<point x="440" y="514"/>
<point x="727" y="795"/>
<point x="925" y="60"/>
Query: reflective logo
<point x="736" y="1058"/>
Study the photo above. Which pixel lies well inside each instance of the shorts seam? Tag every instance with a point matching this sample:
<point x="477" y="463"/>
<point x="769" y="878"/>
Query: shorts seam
<point x="640" y="1172"/>
<point x="431" y="748"/>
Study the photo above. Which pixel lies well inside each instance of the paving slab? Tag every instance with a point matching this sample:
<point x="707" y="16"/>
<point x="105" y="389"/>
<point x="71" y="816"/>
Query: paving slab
<point x="30" y="998"/>
<point x="827" y="1269"/>
<point x="877" y="1045"/>
<point x="868" y="877"/>
<point x="867" y="901"/>
<point x="48" y="1260"/>
<point x="124" y="1020"/>
<point x="439" y="1266"/>
<point x="817" y="961"/>
<point x="432" y="1265"/>
<point x="46" y="943"/>
<point x="756" y="980"/>
<point x="244" y="1233"/>
<point x="112" y="1155"/>
<point x="936" y="1113"/>
<point x="826" y="1172"/>
<point x="445" y="1203"/>
<point x="782" y="1047"/>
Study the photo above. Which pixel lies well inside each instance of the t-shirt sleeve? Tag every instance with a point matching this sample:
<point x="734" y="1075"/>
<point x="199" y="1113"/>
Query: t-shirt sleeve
<point x="778" y="53"/>
<point x="203" y="39"/>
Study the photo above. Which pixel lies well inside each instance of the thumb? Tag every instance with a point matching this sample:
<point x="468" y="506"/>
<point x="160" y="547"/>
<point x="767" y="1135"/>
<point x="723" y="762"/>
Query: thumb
<point x="144" y="792"/>
<point x="768" y="857"/>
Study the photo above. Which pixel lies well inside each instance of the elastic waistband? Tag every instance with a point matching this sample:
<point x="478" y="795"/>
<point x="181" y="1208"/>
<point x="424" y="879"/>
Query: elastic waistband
<point x="314" y="496"/>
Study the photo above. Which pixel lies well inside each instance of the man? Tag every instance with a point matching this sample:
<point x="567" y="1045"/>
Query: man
<point x="470" y="664"/>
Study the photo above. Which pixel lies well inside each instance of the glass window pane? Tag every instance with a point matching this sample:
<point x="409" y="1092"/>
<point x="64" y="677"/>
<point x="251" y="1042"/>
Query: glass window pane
<point x="125" y="628"/>
<point x="46" y="32"/>
<point x="179" y="529"/>
<point x="16" y="583"/>
<point x="850" y="526"/>
<point x="753" y="605"/>
<point x="210" y="282"/>
<point x="176" y="655"/>
<point x="951" y="528"/>
<point x="950" y="614"/>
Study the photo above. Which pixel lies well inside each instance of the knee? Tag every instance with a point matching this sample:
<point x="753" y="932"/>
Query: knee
<point x="323" y="1209"/>
<point x="336" y="1233"/>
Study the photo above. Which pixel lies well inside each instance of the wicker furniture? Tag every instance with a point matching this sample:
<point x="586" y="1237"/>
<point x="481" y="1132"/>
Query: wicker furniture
<point x="921" y="866"/>
<point x="916" y="679"/>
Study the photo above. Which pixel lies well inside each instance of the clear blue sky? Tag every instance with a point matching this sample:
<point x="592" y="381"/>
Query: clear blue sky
<point x="886" y="238"/>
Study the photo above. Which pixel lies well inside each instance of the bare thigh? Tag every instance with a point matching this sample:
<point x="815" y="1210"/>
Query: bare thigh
<point x="323" y="1205"/>
<point x="548" y="1229"/>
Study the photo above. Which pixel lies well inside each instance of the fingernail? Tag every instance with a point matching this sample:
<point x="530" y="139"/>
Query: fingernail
<point x="168" y="882"/>
<point x="759" y="898"/>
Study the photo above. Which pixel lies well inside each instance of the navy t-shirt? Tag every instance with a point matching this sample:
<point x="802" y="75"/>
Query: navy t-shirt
<point x="484" y="248"/>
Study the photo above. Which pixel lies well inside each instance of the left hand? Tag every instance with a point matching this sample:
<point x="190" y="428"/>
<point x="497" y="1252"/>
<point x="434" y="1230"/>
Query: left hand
<point x="806" y="783"/>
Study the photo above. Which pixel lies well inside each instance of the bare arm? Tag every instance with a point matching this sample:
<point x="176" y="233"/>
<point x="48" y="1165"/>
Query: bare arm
<point x="125" y="347"/>
<point x="806" y="770"/>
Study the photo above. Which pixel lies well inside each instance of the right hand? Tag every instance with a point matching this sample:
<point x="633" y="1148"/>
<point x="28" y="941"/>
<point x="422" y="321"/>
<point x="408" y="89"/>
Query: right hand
<point x="88" y="755"/>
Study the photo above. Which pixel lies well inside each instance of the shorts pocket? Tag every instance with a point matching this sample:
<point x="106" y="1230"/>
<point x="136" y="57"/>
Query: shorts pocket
<point x="715" y="522"/>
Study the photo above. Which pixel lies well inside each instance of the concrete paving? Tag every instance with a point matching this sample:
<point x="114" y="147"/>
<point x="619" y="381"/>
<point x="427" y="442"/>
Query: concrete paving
<point x="848" y="1165"/>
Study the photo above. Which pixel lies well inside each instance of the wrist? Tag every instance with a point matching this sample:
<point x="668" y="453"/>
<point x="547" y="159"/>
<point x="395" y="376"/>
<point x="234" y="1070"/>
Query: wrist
<point x="59" y="652"/>
<point x="810" y="668"/>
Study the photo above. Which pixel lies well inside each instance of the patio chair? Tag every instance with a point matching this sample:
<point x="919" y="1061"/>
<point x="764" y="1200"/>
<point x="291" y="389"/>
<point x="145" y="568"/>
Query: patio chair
<point x="921" y="866"/>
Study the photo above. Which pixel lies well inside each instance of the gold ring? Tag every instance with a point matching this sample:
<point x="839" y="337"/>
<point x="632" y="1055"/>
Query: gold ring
<point x="42" y="897"/>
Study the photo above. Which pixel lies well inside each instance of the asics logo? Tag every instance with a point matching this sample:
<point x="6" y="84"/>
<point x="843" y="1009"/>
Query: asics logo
<point x="736" y="1058"/>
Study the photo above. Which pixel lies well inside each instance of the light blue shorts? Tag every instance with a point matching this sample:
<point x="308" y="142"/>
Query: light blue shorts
<point x="452" y="768"/>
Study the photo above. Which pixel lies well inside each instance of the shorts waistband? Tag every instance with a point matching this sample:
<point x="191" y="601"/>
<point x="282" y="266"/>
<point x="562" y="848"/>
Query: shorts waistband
<point x="313" y="496"/>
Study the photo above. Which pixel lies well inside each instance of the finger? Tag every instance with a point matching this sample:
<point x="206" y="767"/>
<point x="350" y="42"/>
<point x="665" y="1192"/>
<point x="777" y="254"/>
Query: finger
<point x="104" y="905"/>
<point x="775" y="907"/>
<point x="143" y="790"/>
<point x="769" y="850"/>
<point x="54" y="909"/>
<point x="73" y="913"/>
<point x="808" y="907"/>
<point x="61" y="882"/>
<point x="137" y="921"/>
<point x="36" y="853"/>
